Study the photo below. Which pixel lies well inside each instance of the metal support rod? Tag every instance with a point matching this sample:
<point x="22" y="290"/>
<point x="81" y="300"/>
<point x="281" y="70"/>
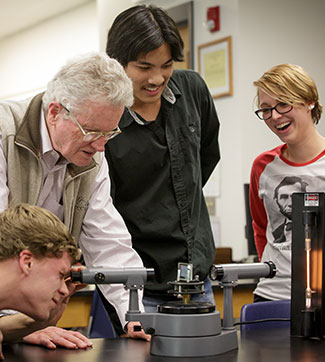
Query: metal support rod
<point x="228" y="319"/>
<point x="134" y="301"/>
<point x="228" y="274"/>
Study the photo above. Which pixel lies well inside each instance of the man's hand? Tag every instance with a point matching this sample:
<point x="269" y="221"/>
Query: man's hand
<point x="51" y="337"/>
<point x="138" y="334"/>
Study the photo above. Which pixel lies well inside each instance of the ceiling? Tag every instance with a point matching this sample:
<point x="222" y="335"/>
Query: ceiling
<point x="16" y="15"/>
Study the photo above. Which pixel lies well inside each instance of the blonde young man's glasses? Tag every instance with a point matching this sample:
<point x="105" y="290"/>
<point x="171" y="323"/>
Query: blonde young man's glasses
<point x="91" y="136"/>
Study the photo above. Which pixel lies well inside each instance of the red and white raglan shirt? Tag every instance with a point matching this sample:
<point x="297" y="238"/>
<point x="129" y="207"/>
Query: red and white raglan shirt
<point x="271" y="228"/>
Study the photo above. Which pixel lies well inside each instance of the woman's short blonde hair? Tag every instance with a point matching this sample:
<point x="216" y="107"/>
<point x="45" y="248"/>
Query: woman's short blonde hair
<point x="291" y="84"/>
<point x="37" y="230"/>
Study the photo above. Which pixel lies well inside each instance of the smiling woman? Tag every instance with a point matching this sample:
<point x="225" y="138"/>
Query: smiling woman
<point x="289" y="105"/>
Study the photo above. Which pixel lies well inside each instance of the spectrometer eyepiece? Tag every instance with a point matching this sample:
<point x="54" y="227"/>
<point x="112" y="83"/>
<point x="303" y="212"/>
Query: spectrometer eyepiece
<point x="216" y="272"/>
<point x="76" y="276"/>
<point x="272" y="269"/>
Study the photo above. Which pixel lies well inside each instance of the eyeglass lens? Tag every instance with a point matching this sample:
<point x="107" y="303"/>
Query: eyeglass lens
<point x="281" y="108"/>
<point x="93" y="136"/>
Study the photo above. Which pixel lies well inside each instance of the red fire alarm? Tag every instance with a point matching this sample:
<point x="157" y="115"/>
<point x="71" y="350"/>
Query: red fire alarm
<point x="213" y="18"/>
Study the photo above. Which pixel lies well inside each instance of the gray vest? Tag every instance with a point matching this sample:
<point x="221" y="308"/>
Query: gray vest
<point x="21" y="143"/>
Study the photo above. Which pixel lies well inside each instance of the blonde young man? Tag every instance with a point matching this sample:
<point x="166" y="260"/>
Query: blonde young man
<point x="36" y="253"/>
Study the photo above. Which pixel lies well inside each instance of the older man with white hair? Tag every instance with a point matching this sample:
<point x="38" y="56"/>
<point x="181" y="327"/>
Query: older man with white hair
<point x="51" y="155"/>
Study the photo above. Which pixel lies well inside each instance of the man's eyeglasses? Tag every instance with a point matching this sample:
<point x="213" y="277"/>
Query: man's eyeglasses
<point x="91" y="136"/>
<point x="266" y="113"/>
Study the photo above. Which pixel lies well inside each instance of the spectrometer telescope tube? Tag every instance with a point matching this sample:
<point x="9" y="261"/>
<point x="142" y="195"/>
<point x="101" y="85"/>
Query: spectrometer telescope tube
<point x="113" y="275"/>
<point x="242" y="271"/>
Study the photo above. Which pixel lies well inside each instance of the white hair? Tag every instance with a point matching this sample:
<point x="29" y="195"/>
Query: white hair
<point x="90" y="77"/>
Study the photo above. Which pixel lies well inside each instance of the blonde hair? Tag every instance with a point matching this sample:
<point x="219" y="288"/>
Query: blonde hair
<point x="291" y="84"/>
<point x="37" y="230"/>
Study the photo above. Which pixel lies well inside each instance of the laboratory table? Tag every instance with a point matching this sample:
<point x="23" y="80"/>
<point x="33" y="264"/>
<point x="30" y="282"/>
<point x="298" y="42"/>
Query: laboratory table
<point x="267" y="345"/>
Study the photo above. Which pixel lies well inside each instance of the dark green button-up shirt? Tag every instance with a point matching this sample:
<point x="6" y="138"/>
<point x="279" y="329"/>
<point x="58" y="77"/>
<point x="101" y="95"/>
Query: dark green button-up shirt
<point x="158" y="170"/>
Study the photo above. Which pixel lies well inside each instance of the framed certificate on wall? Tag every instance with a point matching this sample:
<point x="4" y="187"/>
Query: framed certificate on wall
<point x="215" y="66"/>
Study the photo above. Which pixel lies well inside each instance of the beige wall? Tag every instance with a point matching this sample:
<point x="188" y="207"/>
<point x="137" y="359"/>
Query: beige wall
<point x="28" y="59"/>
